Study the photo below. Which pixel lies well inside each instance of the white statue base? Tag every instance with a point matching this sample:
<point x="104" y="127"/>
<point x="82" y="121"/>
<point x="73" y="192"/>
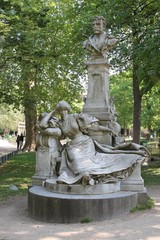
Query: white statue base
<point x="39" y="180"/>
<point x="52" y="186"/>
<point x="97" y="102"/>
<point x="134" y="182"/>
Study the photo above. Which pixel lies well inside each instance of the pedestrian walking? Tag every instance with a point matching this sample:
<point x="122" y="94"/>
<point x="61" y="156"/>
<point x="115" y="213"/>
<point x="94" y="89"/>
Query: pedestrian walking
<point x="21" y="138"/>
<point x="18" y="141"/>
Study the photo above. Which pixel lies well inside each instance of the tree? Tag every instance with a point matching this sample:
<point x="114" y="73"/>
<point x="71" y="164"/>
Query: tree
<point x="41" y="49"/>
<point x="123" y="98"/>
<point x="38" y="57"/>
<point x="136" y="24"/>
<point x="9" y="118"/>
<point x="150" y="109"/>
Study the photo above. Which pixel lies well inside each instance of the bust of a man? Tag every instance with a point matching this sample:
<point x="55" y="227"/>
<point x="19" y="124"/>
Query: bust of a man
<point x="101" y="42"/>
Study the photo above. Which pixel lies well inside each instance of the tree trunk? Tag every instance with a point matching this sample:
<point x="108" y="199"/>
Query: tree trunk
<point x="30" y="121"/>
<point x="30" y="114"/>
<point x="137" y="106"/>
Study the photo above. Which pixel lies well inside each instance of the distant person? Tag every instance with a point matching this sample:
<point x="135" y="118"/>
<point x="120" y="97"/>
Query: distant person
<point x="18" y="141"/>
<point x="21" y="139"/>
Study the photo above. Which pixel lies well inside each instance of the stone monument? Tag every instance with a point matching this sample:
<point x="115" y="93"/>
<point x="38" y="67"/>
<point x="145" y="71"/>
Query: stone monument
<point x="90" y="176"/>
<point x="98" y="102"/>
<point x="47" y="147"/>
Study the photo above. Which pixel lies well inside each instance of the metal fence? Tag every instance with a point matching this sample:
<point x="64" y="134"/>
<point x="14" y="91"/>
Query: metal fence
<point x="6" y="157"/>
<point x="154" y="146"/>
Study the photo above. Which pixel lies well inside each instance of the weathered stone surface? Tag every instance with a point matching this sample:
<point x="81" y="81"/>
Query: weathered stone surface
<point x="84" y="185"/>
<point x="67" y="208"/>
<point x="134" y="182"/>
<point x="98" y="101"/>
<point x="52" y="186"/>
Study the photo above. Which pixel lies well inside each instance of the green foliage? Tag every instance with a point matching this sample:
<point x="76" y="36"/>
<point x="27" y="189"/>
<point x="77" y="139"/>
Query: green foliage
<point x="9" y="117"/>
<point x="42" y="59"/>
<point x="86" y="220"/>
<point x="40" y="63"/>
<point x="121" y="90"/>
<point x="17" y="171"/>
<point x="151" y="173"/>
<point x="149" y="204"/>
<point x="150" y="109"/>
<point x="136" y="24"/>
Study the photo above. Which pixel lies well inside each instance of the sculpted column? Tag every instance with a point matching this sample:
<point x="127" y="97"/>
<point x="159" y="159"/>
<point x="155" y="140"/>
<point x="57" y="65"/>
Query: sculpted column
<point x="98" y="102"/>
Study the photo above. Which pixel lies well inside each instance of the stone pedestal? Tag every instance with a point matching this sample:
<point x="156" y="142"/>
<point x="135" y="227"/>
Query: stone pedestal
<point x="38" y="180"/>
<point x="52" y="186"/>
<point x="43" y="157"/>
<point x="134" y="182"/>
<point x="97" y="101"/>
<point x="72" y="203"/>
<point x="54" y="207"/>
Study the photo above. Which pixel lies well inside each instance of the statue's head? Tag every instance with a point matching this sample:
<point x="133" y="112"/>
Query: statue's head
<point x="63" y="105"/>
<point x="99" y="24"/>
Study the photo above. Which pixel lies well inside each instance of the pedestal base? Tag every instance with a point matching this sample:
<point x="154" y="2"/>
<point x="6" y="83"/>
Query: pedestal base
<point x="134" y="182"/>
<point x="39" y="180"/>
<point x="52" y="186"/>
<point x="73" y="208"/>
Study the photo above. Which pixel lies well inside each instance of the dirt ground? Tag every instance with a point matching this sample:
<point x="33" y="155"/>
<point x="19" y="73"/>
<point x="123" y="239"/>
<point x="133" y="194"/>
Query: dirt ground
<point x="16" y="225"/>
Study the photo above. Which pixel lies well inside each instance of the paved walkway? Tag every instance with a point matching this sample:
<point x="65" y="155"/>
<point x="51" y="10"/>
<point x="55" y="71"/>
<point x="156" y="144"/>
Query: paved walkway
<point x="16" y="225"/>
<point x="6" y="147"/>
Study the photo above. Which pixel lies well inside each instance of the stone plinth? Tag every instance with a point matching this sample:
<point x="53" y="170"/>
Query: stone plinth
<point x="43" y="156"/>
<point x="73" y="208"/>
<point x="38" y="180"/>
<point x="97" y="101"/>
<point x="52" y="186"/>
<point x="134" y="182"/>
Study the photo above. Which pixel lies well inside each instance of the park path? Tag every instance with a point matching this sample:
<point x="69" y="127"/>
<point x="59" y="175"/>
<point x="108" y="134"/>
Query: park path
<point x="16" y="225"/>
<point x="6" y="147"/>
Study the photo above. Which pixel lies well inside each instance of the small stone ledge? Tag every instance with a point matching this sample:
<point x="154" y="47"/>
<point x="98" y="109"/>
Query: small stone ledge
<point x="52" y="186"/>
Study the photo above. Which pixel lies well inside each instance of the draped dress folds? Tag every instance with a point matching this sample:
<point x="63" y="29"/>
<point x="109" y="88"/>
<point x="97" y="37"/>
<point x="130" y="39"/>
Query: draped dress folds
<point x="83" y="156"/>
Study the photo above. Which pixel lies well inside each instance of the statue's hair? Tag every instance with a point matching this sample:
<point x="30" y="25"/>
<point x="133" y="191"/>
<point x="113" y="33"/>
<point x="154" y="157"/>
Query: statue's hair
<point x="100" y="18"/>
<point x="63" y="105"/>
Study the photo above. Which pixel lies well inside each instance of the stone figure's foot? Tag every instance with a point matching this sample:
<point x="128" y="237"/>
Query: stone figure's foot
<point x="87" y="180"/>
<point x="91" y="182"/>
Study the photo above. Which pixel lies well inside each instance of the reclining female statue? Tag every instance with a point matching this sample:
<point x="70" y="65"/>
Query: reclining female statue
<point x="85" y="160"/>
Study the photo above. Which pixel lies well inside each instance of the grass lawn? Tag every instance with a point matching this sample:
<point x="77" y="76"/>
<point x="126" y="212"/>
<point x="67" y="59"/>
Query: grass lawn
<point x="17" y="171"/>
<point x="20" y="169"/>
<point x="151" y="173"/>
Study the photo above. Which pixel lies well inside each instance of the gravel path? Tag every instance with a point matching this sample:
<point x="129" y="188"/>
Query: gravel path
<point x="16" y="225"/>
